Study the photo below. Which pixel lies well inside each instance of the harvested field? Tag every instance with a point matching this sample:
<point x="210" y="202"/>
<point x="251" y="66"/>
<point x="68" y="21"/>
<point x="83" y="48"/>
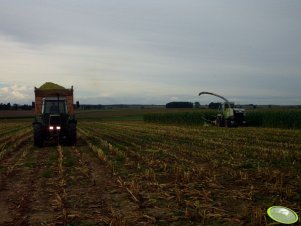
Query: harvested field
<point x="59" y="185"/>
<point x="137" y="173"/>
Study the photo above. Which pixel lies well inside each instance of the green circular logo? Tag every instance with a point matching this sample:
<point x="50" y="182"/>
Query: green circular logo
<point x="282" y="214"/>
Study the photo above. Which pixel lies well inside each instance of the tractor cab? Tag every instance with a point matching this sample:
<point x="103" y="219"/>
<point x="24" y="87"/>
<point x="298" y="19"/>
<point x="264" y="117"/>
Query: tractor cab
<point x="55" y="114"/>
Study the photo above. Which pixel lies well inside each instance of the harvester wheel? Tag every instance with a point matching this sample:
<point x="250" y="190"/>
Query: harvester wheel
<point x="218" y="121"/>
<point x="72" y="137"/>
<point x="230" y="123"/>
<point x="227" y="123"/>
<point x="38" y="135"/>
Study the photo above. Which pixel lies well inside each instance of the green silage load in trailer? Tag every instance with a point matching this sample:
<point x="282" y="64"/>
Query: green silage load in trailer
<point x="50" y="85"/>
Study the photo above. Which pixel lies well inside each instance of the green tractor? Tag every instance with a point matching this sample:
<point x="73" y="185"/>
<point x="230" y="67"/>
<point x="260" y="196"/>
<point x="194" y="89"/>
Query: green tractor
<point x="228" y="115"/>
<point x="54" y="118"/>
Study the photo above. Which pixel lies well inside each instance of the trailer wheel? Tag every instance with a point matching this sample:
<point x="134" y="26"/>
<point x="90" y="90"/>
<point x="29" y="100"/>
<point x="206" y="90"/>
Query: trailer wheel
<point x="38" y="135"/>
<point x="72" y="137"/>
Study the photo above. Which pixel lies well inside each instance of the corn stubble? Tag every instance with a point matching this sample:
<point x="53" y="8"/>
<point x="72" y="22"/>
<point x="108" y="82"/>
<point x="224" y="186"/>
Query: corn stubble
<point x="208" y="176"/>
<point x="188" y="175"/>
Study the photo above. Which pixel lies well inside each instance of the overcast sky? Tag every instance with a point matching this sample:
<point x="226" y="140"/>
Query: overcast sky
<point x="152" y="52"/>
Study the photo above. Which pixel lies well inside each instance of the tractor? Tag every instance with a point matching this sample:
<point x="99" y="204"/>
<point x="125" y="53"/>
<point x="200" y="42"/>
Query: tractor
<point x="54" y="115"/>
<point x="228" y="115"/>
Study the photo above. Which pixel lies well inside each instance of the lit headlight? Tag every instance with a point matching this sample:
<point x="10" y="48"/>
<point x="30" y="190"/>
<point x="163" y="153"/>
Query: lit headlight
<point x="51" y="128"/>
<point x="58" y="127"/>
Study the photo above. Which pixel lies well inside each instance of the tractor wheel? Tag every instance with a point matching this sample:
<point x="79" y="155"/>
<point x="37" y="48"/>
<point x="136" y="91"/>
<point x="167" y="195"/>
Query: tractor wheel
<point x="72" y="137"/>
<point x="38" y="135"/>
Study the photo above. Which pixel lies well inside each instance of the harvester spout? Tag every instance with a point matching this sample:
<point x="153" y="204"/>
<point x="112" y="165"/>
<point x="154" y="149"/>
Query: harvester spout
<point x="215" y="95"/>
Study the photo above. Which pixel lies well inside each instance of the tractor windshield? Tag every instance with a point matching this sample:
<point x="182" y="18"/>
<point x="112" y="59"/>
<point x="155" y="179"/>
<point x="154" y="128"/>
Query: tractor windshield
<point x="54" y="107"/>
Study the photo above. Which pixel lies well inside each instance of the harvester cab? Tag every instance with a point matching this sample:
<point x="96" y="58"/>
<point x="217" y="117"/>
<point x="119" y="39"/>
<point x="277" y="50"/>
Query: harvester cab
<point x="228" y="114"/>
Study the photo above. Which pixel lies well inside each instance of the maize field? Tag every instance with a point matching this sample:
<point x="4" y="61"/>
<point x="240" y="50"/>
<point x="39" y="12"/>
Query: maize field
<point x="287" y="119"/>
<point x="132" y="172"/>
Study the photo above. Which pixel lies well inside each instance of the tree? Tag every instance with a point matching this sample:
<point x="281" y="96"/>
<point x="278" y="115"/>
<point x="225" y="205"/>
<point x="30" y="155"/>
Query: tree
<point x="197" y="104"/>
<point x="179" y="105"/>
<point x="15" y="107"/>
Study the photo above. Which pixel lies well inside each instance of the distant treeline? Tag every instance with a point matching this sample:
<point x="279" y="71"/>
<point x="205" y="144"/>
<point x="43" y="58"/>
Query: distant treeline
<point x="89" y="106"/>
<point x="214" y="105"/>
<point x="116" y="106"/>
<point x="10" y="106"/>
<point x="179" y="105"/>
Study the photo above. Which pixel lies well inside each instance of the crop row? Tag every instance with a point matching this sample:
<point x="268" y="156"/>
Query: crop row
<point x="192" y="118"/>
<point x="10" y="127"/>
<point x="287" y="119"/>
<point x="201" y="174"/>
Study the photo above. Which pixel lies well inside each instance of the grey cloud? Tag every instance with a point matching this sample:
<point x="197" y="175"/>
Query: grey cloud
<point x="171" y="48"/>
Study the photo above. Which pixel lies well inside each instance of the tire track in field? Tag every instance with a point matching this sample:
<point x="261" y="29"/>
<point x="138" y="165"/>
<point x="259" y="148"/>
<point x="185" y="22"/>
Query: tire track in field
<point x="29" y="188"/>
<point x="13" y="143"/>
<point x="18" y="179"/>
<point x="8" y="172"/>
<point x="92" y="195"/>
<point x="11" y="155"/>
<point x="46" y="206"/>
